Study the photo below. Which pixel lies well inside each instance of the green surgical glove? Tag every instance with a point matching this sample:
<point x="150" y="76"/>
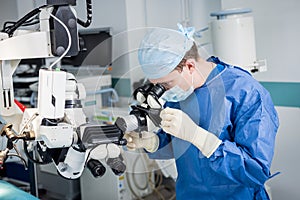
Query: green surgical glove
<point x="180" y="125"/>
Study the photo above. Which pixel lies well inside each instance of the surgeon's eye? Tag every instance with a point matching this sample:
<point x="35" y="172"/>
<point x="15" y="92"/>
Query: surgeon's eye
<point x="167" y="85"/>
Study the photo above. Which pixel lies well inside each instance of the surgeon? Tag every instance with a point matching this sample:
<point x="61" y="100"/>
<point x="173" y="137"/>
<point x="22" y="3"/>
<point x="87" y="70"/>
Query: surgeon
<point x="218" y="122"/>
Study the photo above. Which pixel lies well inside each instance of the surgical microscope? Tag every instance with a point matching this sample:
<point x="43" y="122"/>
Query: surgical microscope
<point x="57" y="130"/>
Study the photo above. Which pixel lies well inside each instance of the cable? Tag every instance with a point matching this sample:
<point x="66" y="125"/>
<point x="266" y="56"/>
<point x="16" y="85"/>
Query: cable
<point x="173" y="197"/>
<point x="23" y="160"/>
<point x="19" y="155"/>
<point x="88" y="13"/>
<point x="31" y="23"/>
<point x="28" y="22"/>
<point x="133" y="176"/>
<point x="159" y="194"/>
<point x="21" y="21"/>
<point x="69" y="41"/>
<point x="131" y="189"/>
<point x="5" y="27"/>
<point x="158" y="182"/>
<point x="136" y="196"/>
<point x="30" y="157"/>
<point x="156" y="186"/>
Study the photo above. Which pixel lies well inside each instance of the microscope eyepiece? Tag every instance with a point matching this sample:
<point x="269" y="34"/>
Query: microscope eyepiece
<point x="96" y="168"/>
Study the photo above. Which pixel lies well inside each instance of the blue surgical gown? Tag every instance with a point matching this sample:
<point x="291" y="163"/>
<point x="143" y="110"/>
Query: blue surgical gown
<point x="235" y="107"/>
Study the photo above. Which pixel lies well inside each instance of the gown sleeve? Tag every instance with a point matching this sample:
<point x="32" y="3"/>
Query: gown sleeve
<point x="246" y="158"/>
<point x="165" y="149"/>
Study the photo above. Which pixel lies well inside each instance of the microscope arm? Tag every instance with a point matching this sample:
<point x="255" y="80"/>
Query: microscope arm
<point x="52" y="126"/>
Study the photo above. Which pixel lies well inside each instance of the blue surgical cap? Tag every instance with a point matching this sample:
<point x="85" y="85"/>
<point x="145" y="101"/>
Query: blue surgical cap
<point x="162" y="49"/>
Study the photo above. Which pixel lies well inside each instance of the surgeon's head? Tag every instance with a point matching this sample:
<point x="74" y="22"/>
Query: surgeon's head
<point x="170" y="57"/>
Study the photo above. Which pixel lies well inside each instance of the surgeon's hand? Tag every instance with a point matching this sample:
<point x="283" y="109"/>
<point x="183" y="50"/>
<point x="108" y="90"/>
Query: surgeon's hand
<point x="180" y="125"/>
<point x="149" y="141"/>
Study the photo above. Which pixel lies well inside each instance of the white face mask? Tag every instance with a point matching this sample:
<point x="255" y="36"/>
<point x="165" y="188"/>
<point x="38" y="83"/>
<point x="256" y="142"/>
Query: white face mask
<point x="176" y="93"/>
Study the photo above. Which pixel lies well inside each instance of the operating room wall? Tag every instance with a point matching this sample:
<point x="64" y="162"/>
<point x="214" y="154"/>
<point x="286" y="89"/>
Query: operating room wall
<point x="277" y="31"/>
<point x="130" y="19"/>
<point x="8" y="11"/>
<point x="110" y="14"/>
<point x="127" y="19"/>
<point x="106" y="14"/>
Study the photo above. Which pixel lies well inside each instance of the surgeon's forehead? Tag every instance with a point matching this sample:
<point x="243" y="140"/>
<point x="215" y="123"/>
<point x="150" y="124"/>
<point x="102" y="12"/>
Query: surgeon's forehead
<point x="169" y="77"/>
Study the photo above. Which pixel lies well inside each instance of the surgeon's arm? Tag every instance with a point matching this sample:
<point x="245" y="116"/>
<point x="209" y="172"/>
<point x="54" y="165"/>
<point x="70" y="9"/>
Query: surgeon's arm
<point x="247" y="159"/>
<point x="165" y="149"/>
<point x="180" y="125"/>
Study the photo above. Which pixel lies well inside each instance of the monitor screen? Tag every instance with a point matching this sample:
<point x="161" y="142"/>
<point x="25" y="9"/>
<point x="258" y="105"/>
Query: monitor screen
<point x="95" y="48"/>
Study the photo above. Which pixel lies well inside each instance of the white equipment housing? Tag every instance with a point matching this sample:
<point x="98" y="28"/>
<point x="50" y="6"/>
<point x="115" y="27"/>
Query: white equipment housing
<point x="232" y="36"/>
<point x="52" y="88"/>
<point x="233" y="39"/>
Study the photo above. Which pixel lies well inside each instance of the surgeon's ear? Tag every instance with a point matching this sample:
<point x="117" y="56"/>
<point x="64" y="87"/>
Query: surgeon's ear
<point x="190" y="64"/>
